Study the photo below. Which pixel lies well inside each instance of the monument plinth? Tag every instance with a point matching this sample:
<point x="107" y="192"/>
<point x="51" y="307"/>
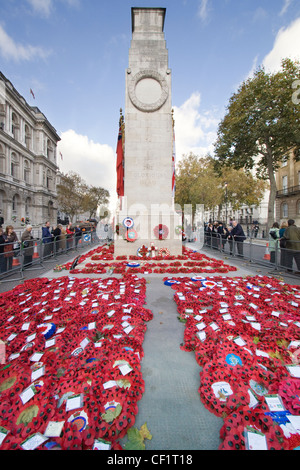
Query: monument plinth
<point x="147" y="208"/>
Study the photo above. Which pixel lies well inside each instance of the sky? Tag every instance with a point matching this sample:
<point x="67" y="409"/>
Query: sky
<point x="73" y="54"/>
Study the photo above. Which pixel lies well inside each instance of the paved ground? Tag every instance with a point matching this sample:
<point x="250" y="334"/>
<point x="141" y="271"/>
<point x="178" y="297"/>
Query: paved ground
<point x="171" y="405"/>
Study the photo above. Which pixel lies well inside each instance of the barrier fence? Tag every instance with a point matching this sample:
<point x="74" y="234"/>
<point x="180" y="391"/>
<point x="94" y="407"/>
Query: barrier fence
<point x="17" y="257"/>
<point x="257" y="251"/>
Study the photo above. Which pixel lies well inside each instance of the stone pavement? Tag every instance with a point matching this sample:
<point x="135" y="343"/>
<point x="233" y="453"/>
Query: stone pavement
<point x="171" y="405"/>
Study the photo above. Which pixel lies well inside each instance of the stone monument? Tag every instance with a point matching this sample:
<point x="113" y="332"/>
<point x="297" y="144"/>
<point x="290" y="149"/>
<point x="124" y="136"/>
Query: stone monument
<point x="146" y="218"/>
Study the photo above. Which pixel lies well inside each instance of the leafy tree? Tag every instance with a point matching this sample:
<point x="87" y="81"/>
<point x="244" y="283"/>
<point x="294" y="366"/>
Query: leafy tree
<point x="92" y="199"/>
<point x="75" y="196"/>
<point x="197" y="182"/>
<point x="261" y="126"/>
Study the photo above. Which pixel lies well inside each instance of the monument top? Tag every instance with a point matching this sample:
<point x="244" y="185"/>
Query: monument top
<point x="150" y="20"/>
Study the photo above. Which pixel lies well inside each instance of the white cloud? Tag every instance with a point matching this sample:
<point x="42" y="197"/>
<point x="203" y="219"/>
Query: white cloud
<point x="10" y="49"/>
<point x="94" y="162"/>
<point x="42" y="7"/>
<point x="195" y="131"/>
<point x="203" y="10"/>
<point x="286" y="45"/>
<point x="285" y="7"/>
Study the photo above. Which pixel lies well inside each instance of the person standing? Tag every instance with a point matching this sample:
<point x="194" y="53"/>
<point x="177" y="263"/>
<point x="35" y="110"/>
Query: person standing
<point x="10" y="240"/>
<point x="56" y="234"/>
<point x="2" y="259"/>
<point x="238" y="235"/>
<point x="27" y="240"/>
<point x="78" y="234"/>
<point x="70" y="234"/>
<point x="273" y="243"/>
<point x="292" y="236"/>
<point x="47" y="238"/>
<point x="282" y="243"/>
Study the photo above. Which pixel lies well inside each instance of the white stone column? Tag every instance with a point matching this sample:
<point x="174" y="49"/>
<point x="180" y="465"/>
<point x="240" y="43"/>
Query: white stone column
<point x="149" y="138"/>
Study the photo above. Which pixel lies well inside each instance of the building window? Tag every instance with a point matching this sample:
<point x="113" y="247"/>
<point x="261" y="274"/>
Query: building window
<point x="2" y="159"/>
<point x="27" y="136"/>
<point x="285" y="210"/>
<point x="284" y="184"/>
<point x="14" y="164"/>
<point x="49" y="149"/>
<point x="27" y="207"/>
<point x="14" y="203"/>
<point x="15" y="126"/>
<point x="26" y="172"/>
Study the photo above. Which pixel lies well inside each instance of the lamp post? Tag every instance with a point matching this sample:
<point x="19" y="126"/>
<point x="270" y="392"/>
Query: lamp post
<point x="226" y="195"/>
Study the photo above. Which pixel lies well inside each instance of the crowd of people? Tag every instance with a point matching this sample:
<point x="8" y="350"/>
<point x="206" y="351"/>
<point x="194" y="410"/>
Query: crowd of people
<point x="283" y="241"/>
<point x="217" y="234"/>
<point x="58" y="239"/>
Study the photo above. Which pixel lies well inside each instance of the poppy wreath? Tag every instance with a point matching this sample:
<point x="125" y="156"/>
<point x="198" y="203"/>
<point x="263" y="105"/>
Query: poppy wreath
<point x="216" y="386"/>
<point x="87" y="345"/>
<point x="164" y="252"/>
<point x="161" y="232"/>
<point x="258" y="320"/>
<point x="234" y="429"/>
<point x="195" y="262"/>
<point x="289" y="390"/>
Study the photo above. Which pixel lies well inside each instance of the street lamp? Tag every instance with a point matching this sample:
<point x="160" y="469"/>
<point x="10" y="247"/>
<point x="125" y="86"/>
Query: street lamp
<point x="226" y="195"/>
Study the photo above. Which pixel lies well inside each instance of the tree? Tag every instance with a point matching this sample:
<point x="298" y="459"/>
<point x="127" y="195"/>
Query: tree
<point x="75" y="196"/>
<point x="261" y="126"/>
<point x="93" y="198"/>
<point x="198" y="182"/>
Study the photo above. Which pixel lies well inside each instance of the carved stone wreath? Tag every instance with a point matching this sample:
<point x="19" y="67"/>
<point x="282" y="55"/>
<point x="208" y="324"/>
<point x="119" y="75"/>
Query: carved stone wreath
<point x="148" y="107"/>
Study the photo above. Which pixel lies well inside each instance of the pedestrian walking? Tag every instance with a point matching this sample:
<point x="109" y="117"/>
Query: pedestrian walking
<point x="274" y="242"/>
<point x="292" y="236"/>
<point x="27" y="242"/>
<point x="255" y="230"/>
<point x="238" y="235"/>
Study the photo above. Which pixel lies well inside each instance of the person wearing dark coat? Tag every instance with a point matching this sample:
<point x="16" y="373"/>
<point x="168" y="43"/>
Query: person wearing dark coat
<point x="10" y="241"/>
<point x="223" y="234"/>
<point x="27" y="241"/>
<point x="238" y="235"/>
<point x="78" y="234"/>
<point x="2" y="258"/>
<point x="292" y="236"/>
<point x="47" y="238"/>
<point x="56" y="234"/>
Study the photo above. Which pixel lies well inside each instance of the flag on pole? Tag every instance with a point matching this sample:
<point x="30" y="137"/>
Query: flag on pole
<point x="32" y="93"/>
<point x="61" y="155"/>
<point x="120" y="161"/>
<point x="173" y="165"/>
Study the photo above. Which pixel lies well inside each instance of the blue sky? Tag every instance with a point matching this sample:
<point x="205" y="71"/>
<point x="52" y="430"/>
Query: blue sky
<point x="74" y="53"/>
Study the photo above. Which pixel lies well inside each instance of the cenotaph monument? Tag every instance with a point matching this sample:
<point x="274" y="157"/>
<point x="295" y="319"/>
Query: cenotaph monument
<point x="146" y="218"/>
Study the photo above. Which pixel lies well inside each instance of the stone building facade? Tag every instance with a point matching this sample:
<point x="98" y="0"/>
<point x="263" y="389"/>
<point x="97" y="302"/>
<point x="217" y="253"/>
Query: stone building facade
<point x="288" y="190"/>
<point x="28" y="161"/>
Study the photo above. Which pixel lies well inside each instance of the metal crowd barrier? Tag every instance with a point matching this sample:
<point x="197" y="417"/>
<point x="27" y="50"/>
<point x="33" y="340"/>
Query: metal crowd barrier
<point x="22" y="256"/>
<point x="257" y="251"/>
